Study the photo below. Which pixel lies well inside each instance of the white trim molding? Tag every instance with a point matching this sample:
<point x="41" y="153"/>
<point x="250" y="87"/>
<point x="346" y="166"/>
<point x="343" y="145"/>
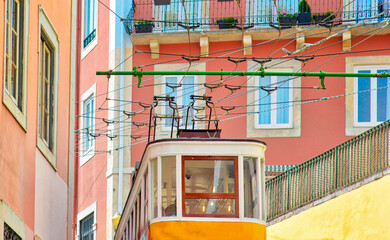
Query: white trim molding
<point x="353" y="64"/>
<point x="90" y="94"/>
<point x="293" y="128"/>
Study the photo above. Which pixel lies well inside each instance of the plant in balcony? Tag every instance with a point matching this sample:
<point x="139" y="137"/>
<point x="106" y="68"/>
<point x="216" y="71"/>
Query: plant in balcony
<point x="287" y="19"/>
<point x="228" y="22"/>
<point x="318" y="18"/>
<point x="144" y="26"/>
<point x="304" y="15"/>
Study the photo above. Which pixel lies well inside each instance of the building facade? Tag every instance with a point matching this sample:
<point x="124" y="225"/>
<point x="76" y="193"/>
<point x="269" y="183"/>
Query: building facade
<point x="36" y="117"/>
<point x="301" y="115"/>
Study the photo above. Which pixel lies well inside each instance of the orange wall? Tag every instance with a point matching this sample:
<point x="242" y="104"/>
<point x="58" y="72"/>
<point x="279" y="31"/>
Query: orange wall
<point x="322" y="123"/>
<point x="17" y="147"/>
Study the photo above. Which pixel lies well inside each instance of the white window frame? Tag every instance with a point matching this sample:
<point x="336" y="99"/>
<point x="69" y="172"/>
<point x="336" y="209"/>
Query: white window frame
<point x="295" y="129"/>
<point x="8" y="100"/>
<point x="90" y="93"/>
<point x="373" y="95"/>
<point x="178" y="99"/>
<point x="82" y="215"/>
<point x="273" y="124"/>
<point x="8" y="216"/>
<point x="47" y="29"/>
<point x="87" y="49"/>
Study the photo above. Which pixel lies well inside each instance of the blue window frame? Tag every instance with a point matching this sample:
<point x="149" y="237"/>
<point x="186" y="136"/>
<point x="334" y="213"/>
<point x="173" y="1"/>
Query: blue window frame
<point x="89" y="22"/>
<point x="372" y="101"/>
<point x="182" y="96"/>
<point x="273" y="108"/>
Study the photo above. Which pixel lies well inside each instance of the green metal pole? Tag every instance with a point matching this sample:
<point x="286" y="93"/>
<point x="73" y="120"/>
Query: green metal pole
<point x="261" y="72"/>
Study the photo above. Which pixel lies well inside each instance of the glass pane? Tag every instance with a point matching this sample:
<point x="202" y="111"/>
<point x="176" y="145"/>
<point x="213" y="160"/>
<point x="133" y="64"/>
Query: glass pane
<point x="168" y="185"/>
<point x="86" y="229"/>
<point x="168" y="90"/>
<point x="282" y="115"/>
<point x="251" y="203"/>
<point x="210" y="206"/>
<point x="188" y="89"/>
<point x="209" y="176"/>
<point x="153" y="169"/>
<point x="383" y="98"/>
<point x="364" y="98"/>
<point x="264" y="101"/>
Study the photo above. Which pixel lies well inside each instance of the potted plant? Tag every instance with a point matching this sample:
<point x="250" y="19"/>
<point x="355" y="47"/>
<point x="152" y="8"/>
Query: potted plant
<point x="304" y="15"/>
<point x="228" y="22"/>
<point x="144" y="26"/>
<point x="318" y="18"/>
<point x="287" y="19"/>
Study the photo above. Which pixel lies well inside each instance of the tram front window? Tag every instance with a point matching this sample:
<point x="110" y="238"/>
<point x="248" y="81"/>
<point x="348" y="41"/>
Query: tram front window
<point x="210" y="186"/>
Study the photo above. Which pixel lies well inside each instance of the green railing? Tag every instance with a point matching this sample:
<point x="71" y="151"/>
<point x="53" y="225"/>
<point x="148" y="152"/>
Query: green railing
<point x="347" y="163"/>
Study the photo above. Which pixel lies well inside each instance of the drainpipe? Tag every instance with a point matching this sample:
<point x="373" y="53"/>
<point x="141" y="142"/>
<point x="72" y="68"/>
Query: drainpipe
<point x="77" y="109"/>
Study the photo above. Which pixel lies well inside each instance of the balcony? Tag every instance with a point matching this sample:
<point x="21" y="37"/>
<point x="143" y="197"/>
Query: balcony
<point x="201" y="15"/>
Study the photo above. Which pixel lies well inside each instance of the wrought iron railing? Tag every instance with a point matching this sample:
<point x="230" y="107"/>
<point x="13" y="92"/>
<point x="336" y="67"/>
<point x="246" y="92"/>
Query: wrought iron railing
<point x="347" y="163"/>
<point x="255" y="13"/>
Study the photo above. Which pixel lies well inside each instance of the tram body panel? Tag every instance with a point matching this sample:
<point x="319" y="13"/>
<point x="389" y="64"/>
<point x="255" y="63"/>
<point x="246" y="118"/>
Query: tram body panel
<point x="205" y="230"/>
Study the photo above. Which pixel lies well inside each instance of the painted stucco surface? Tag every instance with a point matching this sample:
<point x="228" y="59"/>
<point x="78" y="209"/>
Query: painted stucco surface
<point x="358" y="214"/>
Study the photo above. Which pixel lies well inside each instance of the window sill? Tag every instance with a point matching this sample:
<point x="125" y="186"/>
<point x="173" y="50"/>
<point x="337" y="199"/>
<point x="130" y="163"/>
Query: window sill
<point x="51" y="158"/>
<point x="15" y="111"/>
<point x="87" y="156"/>
<point x="86" y="50"/>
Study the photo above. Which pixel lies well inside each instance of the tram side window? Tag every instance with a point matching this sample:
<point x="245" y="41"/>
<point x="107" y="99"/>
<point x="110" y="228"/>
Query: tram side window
<point x="146" y="199"/>
<point x="168" y="186"/>
<point x="153" y="200"/>
<point x="210" y="186"/>
<point x="251" y="196"/>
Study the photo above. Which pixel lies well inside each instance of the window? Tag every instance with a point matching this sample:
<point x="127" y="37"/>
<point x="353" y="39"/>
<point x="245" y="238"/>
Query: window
<point x="372" y="101"/>
<point x="190" y="85"/>
<point x="88" y="106"/>
<point x="153" y="180"/>
<point x="12" y="226"/>
<point x="182" y="96"/>
<point x="274" y="114"/>
<point x="86" y="223"/>
<point x="10" y="234"/>
<point x="210" y="186"/>
<point x="48" y="84"/>
<point x="89" y="26"/>
<point x="251" y="195"/>
<point x="168" y="186"/>
<point x="86" y="228"/>
<point x="15" y="59"/>
<point x="273" y="106"/>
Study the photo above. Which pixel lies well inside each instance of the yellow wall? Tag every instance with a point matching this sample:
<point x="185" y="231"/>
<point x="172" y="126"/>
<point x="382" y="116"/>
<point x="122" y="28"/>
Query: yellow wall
<point x="185" y="230"/>
<point x="360" y="214"/>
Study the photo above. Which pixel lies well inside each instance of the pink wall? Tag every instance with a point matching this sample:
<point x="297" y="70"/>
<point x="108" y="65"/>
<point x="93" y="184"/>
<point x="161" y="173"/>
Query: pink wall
<point x="91" y="182"/>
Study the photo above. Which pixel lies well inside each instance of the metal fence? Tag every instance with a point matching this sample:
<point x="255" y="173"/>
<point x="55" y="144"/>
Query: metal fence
<point x="349" y="162"/>
<point x="256" y="13"/>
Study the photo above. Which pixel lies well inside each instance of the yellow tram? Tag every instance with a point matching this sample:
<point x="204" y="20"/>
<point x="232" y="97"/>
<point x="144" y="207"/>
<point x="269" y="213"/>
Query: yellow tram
<point x="197" y="187"/>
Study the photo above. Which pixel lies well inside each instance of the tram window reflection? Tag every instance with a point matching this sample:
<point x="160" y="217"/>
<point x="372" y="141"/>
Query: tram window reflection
<point x="153" y="204"/>
<point x="168" y="185"/>
<point x="209" y="176"/>
<point x="200" y="206"/>
<point x="251" y="202"/>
